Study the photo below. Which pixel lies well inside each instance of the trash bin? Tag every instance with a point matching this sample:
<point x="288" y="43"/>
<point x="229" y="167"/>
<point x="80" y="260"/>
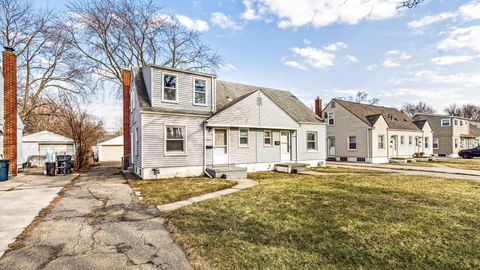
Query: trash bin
<point x="4" y="164"/>
<point x="64" y="164"/>
<point x="50" y="168"/>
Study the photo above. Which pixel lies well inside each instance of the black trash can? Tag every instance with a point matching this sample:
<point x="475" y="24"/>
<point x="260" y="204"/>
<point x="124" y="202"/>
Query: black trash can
<point x="50" y="168"/>
<point x="64" y="164"/>
<point x="4" y="164"/>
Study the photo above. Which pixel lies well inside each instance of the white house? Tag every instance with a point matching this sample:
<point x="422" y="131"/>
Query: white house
<point x="111" y="149"/>
<point x="37" y="144"/>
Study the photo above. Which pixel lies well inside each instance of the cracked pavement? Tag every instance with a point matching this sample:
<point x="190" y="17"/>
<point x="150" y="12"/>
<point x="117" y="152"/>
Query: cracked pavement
<point x="98" y="224"/>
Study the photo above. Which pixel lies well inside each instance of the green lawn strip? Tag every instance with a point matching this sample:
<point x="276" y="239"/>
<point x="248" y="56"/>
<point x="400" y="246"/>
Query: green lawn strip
<point x="164" y="191"/>
<point x="469" y="164"/>
<point x="415" y="164"/>
<point x="345" y="170"/>
<point x="358" y="221"/>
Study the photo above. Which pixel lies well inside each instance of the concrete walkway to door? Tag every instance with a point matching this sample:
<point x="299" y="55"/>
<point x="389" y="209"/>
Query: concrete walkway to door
<point x="21" y="199"/>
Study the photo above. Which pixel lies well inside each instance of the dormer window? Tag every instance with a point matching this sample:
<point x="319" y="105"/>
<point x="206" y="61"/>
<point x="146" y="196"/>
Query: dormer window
<point x="169" y="88"/>
<point x="445" y="122"/>
<point x="200" y="92"/>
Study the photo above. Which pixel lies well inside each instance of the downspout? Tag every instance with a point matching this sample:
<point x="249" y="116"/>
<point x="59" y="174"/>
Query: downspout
<point x="296" y="146"/>
<point x="368" y="145"/>
<point x="205" y="148"/>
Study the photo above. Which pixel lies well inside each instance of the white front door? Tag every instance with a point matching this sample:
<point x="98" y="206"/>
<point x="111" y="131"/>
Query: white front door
<point x="394" y="146"/>
<point x="220" y="146"/>
<point x="331" y="146"/>
<point x="285" y="146"/>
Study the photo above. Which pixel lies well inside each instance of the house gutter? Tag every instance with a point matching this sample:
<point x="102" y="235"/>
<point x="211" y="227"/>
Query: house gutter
<point x="205" y="123"/>
<point x="368" y="145"/>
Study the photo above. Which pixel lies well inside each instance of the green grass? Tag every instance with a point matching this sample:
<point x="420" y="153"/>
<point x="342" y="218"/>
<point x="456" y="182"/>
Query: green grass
<point x="358" y="221"/>
<point x="469" y="164"/>
<point x="345" y="170"/>
<point x="164" y="191"/>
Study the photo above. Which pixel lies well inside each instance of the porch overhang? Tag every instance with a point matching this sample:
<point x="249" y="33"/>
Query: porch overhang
<point x="251" y="126"/>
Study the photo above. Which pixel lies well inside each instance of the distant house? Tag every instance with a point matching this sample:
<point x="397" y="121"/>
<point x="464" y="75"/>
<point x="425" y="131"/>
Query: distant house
<point x="452" y="133"/>
<point x="368" y="133"/>
<point x="181" y="122"/>
<point x="110" y="149"/>
<point x="37" y="144"/>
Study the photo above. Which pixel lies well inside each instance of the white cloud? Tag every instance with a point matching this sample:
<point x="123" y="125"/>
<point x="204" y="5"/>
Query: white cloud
<point x="371" y="67"/>
<point x="352" y="58"/>
<point x="228" y="67"/>
<point x="307" y="41"/>
<point x="314" y="57"/>
<point x="465" y="79"/>
<point x="191" y="24"/>
<point x="400" y="55"/>
<point x="389" y="63"/>
<point x="294" y="64"/>
<point x="223" y="21"/>
<point x="462" y="38"/>
<point x="470" y="11"/>
<point x="452" y="59"/>
<point x="335" y="46"/>
<point x="319" y="13"/>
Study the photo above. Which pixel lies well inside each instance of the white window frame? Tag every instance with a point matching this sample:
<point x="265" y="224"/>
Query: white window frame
<point x="136" y="142"/>
<point x="461" y="123"/>
<point x="348" y="143"/>
<point x="402" y="140"/>
<point x="163" y="88"/>
<point x="239" y="138"/>
<point x="455" y="142"/>
<point x="331" y="115"/>
<point x="264" y="137"/>
<point x="381" y="141"/>
<point x="446" y="125"/>
<point x="410" y="140"/>
<point x="455" y="122"/>
<point x="194" y="91"/>
<point x="315" y="140"/>
<point x="132" y="100"/>
<point x="185" y="140"/>
<point x="426" y="142"/>
<point x="433" y="143"/>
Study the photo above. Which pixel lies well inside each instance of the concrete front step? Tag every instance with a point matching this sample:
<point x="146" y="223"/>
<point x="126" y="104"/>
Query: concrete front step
<point x="227" y="172"/>
<point x="290" y="167"/>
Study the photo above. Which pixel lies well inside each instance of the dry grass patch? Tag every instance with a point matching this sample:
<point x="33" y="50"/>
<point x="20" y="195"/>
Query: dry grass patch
<point x="346" y="170"/>
<point x="164" y="191"/>
<point x="358" y="221"/>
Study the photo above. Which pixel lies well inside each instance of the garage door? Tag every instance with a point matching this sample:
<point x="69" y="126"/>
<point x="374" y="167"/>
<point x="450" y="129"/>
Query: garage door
<point x="111" y="153"/>
<point x="57" y="148"/>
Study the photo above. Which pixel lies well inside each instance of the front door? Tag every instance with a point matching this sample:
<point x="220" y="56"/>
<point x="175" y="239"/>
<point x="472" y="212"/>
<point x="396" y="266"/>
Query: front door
<point x="220" y="146"/>
<point x="418" y="144"/>
<point x="285" y="146"/>
<point x="394" y="146"/>
<point x="331" y="146"/>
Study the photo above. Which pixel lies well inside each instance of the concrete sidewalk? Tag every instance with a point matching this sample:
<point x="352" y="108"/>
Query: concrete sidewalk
<point x="21" y="199"/>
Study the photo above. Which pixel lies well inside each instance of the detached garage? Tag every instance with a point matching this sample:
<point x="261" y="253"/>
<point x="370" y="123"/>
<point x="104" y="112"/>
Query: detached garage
<point x="37" y="144"/>
<point x="111" y="150"/>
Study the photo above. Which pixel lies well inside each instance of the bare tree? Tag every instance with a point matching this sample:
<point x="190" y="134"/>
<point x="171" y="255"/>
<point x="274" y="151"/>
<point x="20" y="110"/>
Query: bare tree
<point x="46" y="62"/>
<point x="469" y="111"/>
<point x="114" y="34"/>
<point x="411" y="108"/>
<point x="409" y="3"/>
<point x="363" y="97"/>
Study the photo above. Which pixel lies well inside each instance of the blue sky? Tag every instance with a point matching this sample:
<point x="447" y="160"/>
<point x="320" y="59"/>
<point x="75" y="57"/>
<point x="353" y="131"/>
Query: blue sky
<point x="331" y="48"/>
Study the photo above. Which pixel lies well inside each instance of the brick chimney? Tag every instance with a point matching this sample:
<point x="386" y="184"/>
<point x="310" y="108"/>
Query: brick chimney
<point x="126" y="116"/>
<point x="318" y="107"/>
<point x="10" y="109"/>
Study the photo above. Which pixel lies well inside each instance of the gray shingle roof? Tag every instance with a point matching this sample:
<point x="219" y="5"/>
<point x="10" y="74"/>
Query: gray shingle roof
<point x="370" y="114"/>
<point x="229" y="93"/>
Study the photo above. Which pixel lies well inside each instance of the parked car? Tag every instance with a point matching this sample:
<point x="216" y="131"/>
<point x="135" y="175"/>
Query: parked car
<point x="470" y="153"/>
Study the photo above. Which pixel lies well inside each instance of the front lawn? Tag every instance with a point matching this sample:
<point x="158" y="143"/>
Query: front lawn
<point x="345" y="170"/>
<point x="469" y="164"/>
<point x="360" y="221"/>
<point x="164" y="191"/>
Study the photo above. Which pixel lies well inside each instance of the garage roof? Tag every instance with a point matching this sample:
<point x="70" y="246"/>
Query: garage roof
<point x="47" y="137"/>
<point x="114" y="141"/>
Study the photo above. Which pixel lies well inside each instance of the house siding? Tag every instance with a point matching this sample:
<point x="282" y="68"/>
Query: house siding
<point x="136" y="122"/>
<point x="303" y="153"/>
<point x="248" y="112"/>
<point x="185" y="83"/>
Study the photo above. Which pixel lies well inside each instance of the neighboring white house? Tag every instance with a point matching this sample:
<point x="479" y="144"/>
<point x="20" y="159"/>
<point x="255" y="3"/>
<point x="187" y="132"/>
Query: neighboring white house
<point x="183" y="123"/>
<point x="110" y="150"/>
<point x="367" y="133"/>
<point x="37" y="144"/>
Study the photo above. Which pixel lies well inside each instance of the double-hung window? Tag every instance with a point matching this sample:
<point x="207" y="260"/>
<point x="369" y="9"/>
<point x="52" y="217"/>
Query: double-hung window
<point x="267" y="138"/>
<point x="243" y="137"/>
<point x="331" y="118"/>
<point x="200" y="92"/>
<point x="445" y="122"/>
<point x="381" y="142"/>
<point x="427" y="140"/>
<point x="175" y="140"/>
<point x="352" y="142"/>
<point x="311" y="141"/>
<point x="402" y="140"/>
<point x="410" y="140"/>
<point x="435" y="143"/>
<point x="169" y="88"/>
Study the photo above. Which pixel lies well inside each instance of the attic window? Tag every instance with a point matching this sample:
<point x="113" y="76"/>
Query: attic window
<point x="169" y="88"/>
<point x="332" y="105"/>
<point x="200" y="92"/>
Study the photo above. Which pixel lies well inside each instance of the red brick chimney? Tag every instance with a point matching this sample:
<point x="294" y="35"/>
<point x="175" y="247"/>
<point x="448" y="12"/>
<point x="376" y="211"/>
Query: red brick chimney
<point x="10" y="109"/>
<point x="318" y="107"/>
<point x="126" y="116"/>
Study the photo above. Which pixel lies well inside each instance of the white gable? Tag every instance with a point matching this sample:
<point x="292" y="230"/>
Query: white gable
<point x="114" y="141"/>
<point x="255" y="110"/>
<point x="47" y="137"/>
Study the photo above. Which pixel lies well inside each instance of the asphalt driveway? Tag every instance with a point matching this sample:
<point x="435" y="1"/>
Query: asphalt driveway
<point x="98" y="224"/>
<point x="21" y="199"/>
